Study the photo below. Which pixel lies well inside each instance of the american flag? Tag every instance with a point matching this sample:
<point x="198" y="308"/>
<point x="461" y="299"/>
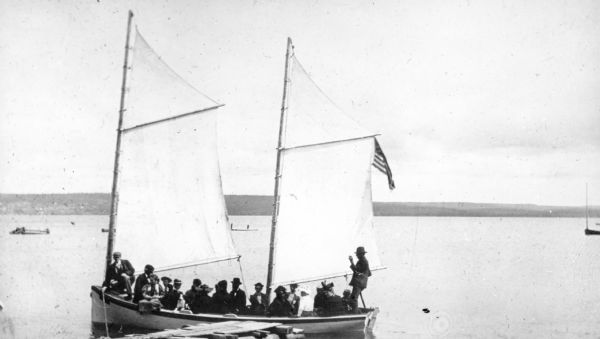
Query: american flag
<point x="380" y="162"/>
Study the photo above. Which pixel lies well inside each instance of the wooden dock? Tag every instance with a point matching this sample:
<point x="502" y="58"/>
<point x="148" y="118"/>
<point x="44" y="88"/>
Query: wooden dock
<point x="228" y="330"/>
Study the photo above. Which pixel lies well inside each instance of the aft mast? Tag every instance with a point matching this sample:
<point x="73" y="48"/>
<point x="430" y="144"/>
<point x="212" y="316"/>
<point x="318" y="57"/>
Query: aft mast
<point x="114" y="192"/>
<point x="286" y="80"/>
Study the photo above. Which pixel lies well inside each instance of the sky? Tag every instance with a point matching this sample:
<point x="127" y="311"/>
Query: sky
<point x="477" y="101"/>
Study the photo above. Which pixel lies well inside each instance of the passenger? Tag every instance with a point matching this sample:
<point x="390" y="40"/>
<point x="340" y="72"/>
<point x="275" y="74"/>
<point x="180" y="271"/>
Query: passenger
<point x="280" y="307"/>
<point x="119" y="275"/>
<point x="151" y="295"/>
<point x="221" y="301"/>
<point x="238" y="297"/>
<point x="142" y="280"/>
<point x="166" y="284"/>
<point x="293" y="299"/>
<point x="258" y="301"/>
<point x="331" y="303"/>
<point x="172" y="294"/>
<point x="319" y="303"/>
<point x="347" y="301"/>
<point x="202" y="302"/>
<point x="191" y="293"/>
<point x="360" y="277"/>
<point x="305" y="307"/>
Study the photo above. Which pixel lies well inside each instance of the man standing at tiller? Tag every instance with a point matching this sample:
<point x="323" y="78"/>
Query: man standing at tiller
<point x="359" y="277"/>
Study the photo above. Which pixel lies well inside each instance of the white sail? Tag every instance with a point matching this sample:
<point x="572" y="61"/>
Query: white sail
<point x="171" y="210"/>
<point x="325" y="206"/>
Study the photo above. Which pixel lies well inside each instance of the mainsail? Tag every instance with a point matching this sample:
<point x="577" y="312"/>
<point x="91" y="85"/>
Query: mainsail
<point x="171" y="209"/>
<point x="325" y="206"/>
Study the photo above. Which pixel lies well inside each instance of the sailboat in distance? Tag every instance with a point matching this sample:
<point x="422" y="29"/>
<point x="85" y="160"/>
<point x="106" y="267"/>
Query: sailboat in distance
<point x="587" y="230"/>
<point x="167" y="185"/>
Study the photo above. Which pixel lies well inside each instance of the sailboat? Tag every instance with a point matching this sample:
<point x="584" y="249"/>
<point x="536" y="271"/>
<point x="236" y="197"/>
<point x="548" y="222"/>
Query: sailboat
<point x="167" y="185"/>
<point x="587" y="230"/>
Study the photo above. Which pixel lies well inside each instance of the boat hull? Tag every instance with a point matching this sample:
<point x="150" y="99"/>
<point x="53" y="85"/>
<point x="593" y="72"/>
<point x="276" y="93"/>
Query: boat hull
<point x="116" y="311"/>
<point x="591" y="232"/>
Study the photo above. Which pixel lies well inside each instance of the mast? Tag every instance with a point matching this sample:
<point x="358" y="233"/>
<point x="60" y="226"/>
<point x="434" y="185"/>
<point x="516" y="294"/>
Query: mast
<point x="114" y="192"/>
<point x="586" y="206"/>
<point x="286" y="80"/>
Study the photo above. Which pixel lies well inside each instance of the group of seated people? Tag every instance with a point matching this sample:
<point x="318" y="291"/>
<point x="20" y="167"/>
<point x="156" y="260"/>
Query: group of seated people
<point x="152" y="293"/>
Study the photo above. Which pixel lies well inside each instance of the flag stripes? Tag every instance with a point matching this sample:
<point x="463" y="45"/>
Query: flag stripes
<point x="380" y="162"/>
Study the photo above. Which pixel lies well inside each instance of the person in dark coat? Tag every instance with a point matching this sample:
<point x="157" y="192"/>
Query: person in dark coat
<point x="238" y="297"/>
<point x="141" y="281"/>
<point x="327" y="303"/>
<point x="280" y="307"/>
<point x="221" y="301"/>
<point x="347" y="301"/>
<point x="360" y="276"/>
<point x="191" y="293"/>
<point x="172" y="294"/>
<point x="119" y="275"/>
<point x="258" y="300"/>
<point x="202" y="302"/>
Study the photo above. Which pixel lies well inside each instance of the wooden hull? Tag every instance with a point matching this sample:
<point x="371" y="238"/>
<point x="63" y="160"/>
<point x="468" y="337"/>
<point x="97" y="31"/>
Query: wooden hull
<point x="115" y="310"/>
<point x="591" y="232"/>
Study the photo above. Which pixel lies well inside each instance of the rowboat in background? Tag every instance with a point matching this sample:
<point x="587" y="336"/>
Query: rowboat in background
<point x="23" y="230"/>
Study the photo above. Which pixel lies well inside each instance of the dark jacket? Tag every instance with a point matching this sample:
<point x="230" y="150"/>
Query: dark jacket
<point x="221" y="302"/>
<point x="141" y="281"/>
<point x="280" y="308"/>
<point x="238" y="301"/>
<point x="257" y="307"/>
<point x="169" y="301"/>
<point x="361" y="273"/>
<point x="114" y="273"/>
<point x="202" y="303"/>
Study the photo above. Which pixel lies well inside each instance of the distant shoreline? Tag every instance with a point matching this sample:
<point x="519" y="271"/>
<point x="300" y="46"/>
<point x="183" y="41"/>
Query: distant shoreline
<point x="99" y="204"/>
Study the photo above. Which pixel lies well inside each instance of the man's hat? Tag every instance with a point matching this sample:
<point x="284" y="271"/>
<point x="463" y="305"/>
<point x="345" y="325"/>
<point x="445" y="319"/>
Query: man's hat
<point x="149" y="267"/>
<point x="222" y="283"/>
<point x="116" y="254"/>
<point x="258" y="284"/>
<point x="326" y="286"/>
<point x="176" y="281"/>
<point x="167" y="279"/>
<point x="360" y="250"/>
<point x="197" y="282"/>
<point x="205" y="288"/>
<point x="236" y="281"/>
<point x="280" y="289"/>
<point x="294" y="285"/>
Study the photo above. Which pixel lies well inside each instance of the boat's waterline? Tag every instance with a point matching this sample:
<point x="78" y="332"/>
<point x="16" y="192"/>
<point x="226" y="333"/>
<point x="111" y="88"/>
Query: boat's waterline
<point x="116" y="311"/>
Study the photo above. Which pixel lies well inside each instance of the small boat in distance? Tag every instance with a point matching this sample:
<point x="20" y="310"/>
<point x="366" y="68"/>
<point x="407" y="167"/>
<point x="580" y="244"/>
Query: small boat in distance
<point x="247" y="229"/>
<point x="588" y="231"/>
<point x="23" y="230"/>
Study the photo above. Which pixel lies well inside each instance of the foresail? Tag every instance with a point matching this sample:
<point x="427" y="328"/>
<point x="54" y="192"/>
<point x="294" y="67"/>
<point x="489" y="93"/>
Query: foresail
<point x="156" y="92"/>
<point x="171" y="209"/>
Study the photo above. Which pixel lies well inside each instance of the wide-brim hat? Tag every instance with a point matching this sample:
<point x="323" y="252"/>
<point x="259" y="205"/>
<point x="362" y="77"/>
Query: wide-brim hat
<point x="360" y="250"/>
<point x="236" y="281"/>
<point x="205" y="288"/>
<point x="222" y="283"/>
<point x="259" y="284"/>
<point x="167" y="279"/>
<point x="280" y="289"/>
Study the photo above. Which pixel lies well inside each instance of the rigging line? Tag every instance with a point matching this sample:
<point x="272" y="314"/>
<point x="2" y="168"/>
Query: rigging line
<point x="171" y="70"/>
<point x="328" y="142"/>
<point x="322" y="92"/>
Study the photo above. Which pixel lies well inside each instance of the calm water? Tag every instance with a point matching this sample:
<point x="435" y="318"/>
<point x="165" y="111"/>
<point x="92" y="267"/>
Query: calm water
<point x="477" y="277"/>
